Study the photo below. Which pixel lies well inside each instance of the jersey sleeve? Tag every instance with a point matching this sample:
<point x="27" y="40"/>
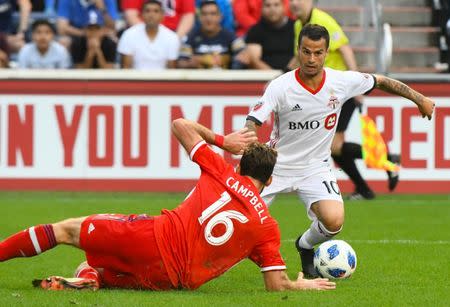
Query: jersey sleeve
<point x="267" y="104"/>
<point x="111" y="7"/>
<point x="208" y="160"/>
<point x="358" y="83"/>
<point x="125" y="44"/>
<point x="63" y="10"/>
<point x="22" y="57"/>
<point x="267" y="254"/>
<point x="187" y="47"/>
<point x="174" y="49"/>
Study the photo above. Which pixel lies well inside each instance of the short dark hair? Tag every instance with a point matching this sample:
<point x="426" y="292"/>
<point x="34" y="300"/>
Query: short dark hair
<point x="314" y="32"/>
<point x="158" y="2"/>
<point x="207" y="2"/>
<point x="258" y="162"/>
<point x="42" y="22"/>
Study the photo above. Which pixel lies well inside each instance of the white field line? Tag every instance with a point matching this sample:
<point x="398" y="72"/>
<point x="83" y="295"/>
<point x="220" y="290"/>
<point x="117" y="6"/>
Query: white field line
<point x="400" y="242"/>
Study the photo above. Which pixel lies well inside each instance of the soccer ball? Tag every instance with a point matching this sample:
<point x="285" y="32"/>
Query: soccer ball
<point x="335" y="259"/>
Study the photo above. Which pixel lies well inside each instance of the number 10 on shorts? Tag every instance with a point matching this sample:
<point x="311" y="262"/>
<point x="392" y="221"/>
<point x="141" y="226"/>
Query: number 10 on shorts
<point x="332" y="187"/>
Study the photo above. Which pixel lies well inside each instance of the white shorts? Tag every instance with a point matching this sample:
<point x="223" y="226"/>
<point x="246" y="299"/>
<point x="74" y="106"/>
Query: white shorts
<point x="320" y="185"/>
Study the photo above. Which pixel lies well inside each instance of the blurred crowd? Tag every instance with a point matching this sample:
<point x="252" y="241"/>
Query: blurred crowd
<point x="146" y="34"/>
<point x="151" y="34"/>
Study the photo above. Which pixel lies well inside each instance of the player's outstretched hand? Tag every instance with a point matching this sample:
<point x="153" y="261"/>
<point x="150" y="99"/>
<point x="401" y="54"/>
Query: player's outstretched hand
<point x="237" y="141"/>
<point x="315" y="284"/>
<point x="426" y="107"/>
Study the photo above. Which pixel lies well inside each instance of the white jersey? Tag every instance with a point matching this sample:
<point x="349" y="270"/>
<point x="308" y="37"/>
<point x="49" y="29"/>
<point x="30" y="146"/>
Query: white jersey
<point x="305" y="119"/>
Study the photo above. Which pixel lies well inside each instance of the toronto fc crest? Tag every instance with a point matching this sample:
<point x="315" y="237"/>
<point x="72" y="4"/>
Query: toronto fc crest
<point x="333" y="102"/>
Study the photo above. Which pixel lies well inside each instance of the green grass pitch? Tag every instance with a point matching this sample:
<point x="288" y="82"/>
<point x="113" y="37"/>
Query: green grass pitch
<point x="402" y="244"/>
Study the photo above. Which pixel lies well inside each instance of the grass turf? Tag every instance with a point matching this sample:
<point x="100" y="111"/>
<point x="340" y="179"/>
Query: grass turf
<point x="402" y="244"/>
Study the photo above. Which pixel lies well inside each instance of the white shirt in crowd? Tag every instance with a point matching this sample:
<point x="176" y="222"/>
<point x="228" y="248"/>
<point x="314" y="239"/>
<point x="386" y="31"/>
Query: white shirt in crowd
<point x="306" y="120"/>
<point x="149" y="54"/>
<point x="56" y="57"/>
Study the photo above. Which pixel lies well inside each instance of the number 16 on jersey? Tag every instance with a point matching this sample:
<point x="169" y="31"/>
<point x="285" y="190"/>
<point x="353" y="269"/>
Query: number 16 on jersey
<point x="224" y="218"/>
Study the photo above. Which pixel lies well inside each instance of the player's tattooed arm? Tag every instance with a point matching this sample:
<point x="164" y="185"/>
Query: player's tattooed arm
<point x="251" y="125"/>
<point x="425" y="104"/>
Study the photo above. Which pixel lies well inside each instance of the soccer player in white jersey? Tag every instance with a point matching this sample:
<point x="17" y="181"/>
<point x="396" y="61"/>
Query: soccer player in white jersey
<point x="306" y="103"/>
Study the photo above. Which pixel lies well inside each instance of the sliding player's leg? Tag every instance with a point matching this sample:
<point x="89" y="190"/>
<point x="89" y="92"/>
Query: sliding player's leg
<point x="40" y="238"/>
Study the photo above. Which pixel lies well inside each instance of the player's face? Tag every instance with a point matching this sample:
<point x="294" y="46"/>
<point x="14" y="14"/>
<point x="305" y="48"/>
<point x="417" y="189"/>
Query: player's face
<point x="42" y="36"/>
<point x="152" y="14"/>
<point x="210" y="17"/>
<point x="273" y="10"/>
<point x="311" y="56"/>
<point x="300" y="7"/>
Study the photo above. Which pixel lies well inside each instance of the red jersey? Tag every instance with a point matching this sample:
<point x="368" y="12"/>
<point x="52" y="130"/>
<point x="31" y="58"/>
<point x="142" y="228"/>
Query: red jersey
<point x="221" y="222"/>
<point x="173" y="10"/>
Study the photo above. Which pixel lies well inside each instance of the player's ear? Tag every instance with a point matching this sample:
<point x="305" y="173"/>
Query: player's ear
<point x="268" y="182"/>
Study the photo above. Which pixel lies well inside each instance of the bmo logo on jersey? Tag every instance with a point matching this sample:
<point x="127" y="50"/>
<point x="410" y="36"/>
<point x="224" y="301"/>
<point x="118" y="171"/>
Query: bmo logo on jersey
<point x="306" y="125"/>
<point x="330" y="121"/>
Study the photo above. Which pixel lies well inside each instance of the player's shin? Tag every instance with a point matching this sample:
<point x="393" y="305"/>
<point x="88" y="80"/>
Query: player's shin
<point x="27" y="243"/>
<point x="317" y="233"/>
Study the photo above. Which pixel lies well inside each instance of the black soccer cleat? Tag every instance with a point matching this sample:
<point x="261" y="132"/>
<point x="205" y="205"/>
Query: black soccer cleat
<point x="362" y="195"/>
<point x="307" y="259"/>
<point x="393" y="176"/>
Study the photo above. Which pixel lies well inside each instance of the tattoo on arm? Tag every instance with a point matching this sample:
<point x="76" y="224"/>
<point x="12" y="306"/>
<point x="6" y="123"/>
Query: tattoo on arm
<point x="398" y="88"/>
<point x="251" y="125"/>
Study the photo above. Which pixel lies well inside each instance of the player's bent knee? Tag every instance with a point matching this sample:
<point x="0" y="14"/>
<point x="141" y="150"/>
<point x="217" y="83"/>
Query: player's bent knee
<point x="334" y="227"/>
<point x="68" y="231"/>
<point x="331" y="229"/>
<point x="331" y="215"/>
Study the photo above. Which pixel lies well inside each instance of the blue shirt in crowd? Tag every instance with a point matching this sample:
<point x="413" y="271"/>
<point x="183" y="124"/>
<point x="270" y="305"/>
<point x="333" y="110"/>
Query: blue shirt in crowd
<point x="6" y="10"/>
<point x="76" y="11"/>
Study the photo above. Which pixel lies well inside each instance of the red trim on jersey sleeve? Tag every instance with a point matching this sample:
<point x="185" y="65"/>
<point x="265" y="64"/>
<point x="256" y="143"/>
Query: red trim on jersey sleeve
<point x="306" y="87"/>
<point x="274" y="268"/>
<point x="195" y="148"/>
<point x="207" y="159"/>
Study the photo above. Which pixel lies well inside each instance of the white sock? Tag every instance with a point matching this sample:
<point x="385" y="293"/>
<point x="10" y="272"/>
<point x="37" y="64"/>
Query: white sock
<point x="316" y="234"/>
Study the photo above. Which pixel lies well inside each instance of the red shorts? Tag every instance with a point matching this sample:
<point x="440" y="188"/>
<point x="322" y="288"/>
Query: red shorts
<point x="124" y="248"/>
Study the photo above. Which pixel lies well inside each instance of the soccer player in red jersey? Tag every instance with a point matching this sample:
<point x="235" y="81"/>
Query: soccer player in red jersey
<point x="221" y="222"/>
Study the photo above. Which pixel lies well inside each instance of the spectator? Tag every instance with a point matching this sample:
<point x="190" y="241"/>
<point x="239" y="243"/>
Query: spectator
<point x="15" y="38"/>
<point x="210" y="46"/>
<point x="43" y="52"/>
<point x="4" y="54"/>
<point x="72" y="15"/>
<point x="149" y="45"/>
<point x="227" y="14"/>
<point x="179" y="14"/>
<point x="96" y="49"/>
<point x="247" y="13"/>
<point x="270" y="41"/>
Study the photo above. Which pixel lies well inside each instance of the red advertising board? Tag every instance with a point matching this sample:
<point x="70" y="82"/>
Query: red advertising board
<point x="115" y="134"/>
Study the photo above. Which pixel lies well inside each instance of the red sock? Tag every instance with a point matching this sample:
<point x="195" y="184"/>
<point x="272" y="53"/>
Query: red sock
<point x="89" y="273"/>
<point x="27" y="243"/>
